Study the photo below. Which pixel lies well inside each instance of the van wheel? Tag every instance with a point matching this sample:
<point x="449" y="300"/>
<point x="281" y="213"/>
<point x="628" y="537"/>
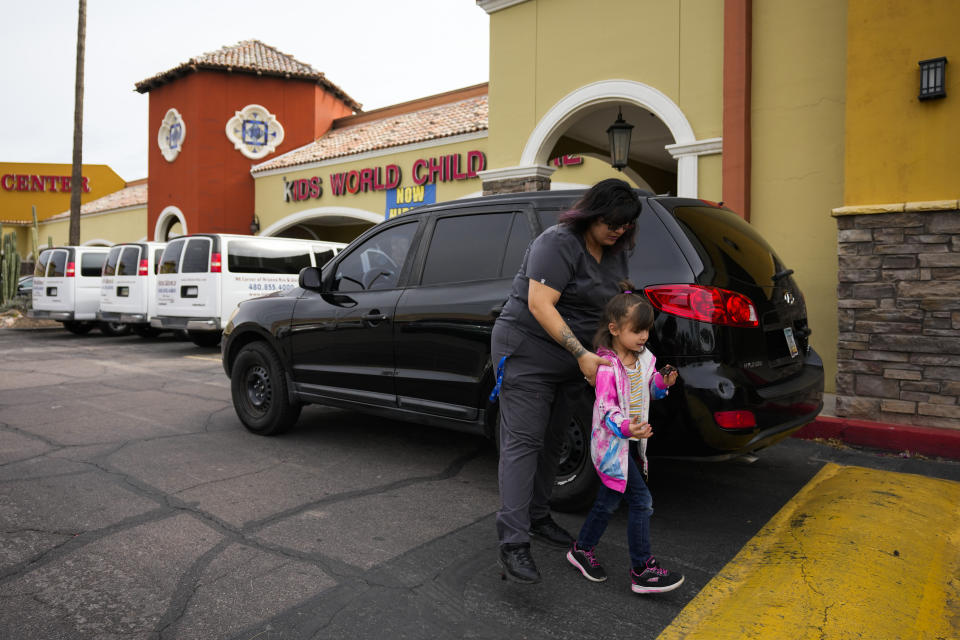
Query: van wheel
<point x="258" y="386"/>
<point x="78" y="328"/>
<point x="114" y="328"/>
<point x="204" y="338"/>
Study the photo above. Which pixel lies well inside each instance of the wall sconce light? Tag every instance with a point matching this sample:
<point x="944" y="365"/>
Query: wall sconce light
<point x="619" y="133"/>
<point x="254" y="225"/>
<point x="932" y="80"/>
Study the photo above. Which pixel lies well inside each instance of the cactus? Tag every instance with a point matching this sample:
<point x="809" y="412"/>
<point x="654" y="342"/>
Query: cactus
<point x="35" y="237"/>
<point x="9" y="267"/>
<point x="50" y="242"/>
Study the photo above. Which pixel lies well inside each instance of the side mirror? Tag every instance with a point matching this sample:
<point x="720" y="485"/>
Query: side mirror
<point x="310" y="278"/>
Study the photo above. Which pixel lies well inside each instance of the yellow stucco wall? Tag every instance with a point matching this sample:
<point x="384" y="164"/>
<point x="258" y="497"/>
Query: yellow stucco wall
<point x="797" y="148"/>
<point x="126" y="225"/>
<point x="899" y="148"/>
<point x="542" y="50"/>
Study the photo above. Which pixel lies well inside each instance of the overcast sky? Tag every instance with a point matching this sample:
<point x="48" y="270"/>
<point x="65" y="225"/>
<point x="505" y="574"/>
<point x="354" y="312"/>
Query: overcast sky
<point x="380" y="52"/>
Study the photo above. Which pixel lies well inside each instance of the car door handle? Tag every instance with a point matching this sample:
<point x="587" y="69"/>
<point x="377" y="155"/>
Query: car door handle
<point x="373" y="317"/>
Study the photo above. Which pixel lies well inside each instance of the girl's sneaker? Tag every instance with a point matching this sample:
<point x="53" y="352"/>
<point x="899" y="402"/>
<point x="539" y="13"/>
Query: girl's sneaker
<point x="654" y="579"/>
<point x="587" y="563"/>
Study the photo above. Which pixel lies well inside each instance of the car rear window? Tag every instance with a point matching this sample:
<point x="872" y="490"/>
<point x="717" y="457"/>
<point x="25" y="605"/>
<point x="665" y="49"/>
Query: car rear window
<point x="196" y="257"/>
<point x="170" y="261"/>
<point x="41" y="268"/>
<point x="250" y="256"/>
<point x="465" y="248"/>
<point x="110" y="266"/>
<point x="129" y="261"/>
<point x="91" y="264"/>
<point x="728" y="245"/>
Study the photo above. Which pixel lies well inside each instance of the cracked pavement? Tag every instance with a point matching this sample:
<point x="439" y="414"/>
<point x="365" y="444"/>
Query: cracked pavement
<point x="134" y="505"/>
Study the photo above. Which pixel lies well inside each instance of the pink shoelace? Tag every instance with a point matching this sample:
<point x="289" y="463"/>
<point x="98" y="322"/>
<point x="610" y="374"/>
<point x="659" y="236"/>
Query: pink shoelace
<point x="592" y="559"/>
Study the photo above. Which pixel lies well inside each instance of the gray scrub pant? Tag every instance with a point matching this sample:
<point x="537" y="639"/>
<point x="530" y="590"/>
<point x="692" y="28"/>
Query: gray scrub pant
<point x="538" y="376"/>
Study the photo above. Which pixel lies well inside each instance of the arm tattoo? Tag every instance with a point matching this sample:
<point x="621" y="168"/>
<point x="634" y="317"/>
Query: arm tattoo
<point x="569" y="342"/>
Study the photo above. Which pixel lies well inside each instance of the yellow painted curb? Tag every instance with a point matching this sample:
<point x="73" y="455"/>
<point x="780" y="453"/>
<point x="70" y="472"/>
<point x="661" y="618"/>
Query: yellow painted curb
<point x="857" y="553"/>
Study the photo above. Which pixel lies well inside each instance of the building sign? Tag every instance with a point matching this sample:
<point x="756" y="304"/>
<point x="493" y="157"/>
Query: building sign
<point x="254" y="131"/>
<point x="26" y="182"/>
<point x="402" y="199"/>
<point x="171" y="135"/>
<point x="454" y="166"/>
<point x="302" y="189"/>
<point x="566" y="161"/>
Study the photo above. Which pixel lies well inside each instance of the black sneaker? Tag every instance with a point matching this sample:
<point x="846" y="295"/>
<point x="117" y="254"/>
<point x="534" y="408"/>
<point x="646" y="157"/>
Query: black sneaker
<point x="587" y="563"/>
<point x="546" y="530"/>
<point x="654" y="579"/>
<point x="517" y="563"/>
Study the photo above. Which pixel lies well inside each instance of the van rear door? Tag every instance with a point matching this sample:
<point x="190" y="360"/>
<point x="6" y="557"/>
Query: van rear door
<point x="87" y="273"/>
<point x="188" y="284"/>
<point x="121" y="291"/>
<point x="55" y="292"/>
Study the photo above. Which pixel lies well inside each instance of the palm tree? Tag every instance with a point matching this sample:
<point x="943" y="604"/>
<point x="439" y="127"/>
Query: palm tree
<point x="76" y="181"/>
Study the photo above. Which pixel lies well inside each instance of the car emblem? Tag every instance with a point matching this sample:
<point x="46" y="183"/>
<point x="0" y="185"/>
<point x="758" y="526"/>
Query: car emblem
<point x="789" y="297"/>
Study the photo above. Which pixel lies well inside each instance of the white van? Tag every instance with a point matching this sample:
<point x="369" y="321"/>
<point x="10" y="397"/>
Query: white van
<point x="128" y="287"/>
<point x="66" y="287"/>
<point x="203" y="277"/>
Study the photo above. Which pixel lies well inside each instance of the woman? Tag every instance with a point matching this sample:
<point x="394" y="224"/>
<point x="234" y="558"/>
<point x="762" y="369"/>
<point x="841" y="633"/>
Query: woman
<point x="567" y="276"/>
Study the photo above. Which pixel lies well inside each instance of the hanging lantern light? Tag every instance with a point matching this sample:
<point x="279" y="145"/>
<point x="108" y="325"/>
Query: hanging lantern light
<point x="619" y="133"/>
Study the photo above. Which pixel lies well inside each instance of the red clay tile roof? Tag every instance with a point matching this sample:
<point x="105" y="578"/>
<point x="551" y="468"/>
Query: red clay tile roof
<point x="249" y="56"/>
<point x="464" y="116"/>
<point x="134" y="194"/>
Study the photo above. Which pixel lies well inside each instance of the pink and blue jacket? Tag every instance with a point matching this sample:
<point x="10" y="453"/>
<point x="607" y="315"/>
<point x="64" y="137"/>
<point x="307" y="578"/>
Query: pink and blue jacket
<point x="609" y="441"/>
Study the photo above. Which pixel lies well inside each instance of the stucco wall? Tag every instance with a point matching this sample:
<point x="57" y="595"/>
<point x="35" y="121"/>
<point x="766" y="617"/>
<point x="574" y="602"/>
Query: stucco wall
<point x="127" y="225"/>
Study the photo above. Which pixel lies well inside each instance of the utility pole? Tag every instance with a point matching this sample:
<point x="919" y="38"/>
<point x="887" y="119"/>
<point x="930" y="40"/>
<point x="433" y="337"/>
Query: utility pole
<point x="76" y="181"/>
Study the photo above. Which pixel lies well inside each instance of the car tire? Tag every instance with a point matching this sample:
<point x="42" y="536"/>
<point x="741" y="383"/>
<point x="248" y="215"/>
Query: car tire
<point x="77" y="328"/>
<point x="114" y="328"/>
<point x="204" y="338"/>
<point x="577" y="482"/>
<point x="258" y="386"/>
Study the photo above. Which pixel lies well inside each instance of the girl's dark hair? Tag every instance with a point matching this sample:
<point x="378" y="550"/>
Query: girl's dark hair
<point x="624" y="309"/>
<point x="611" y="200"/>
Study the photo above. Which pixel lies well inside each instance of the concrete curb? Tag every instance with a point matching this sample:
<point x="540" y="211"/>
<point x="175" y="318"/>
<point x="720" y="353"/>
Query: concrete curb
<point x="928" y="441"/>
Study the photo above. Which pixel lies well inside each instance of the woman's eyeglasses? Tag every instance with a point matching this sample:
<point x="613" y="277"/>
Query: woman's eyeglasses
<point x="614" y="227"/>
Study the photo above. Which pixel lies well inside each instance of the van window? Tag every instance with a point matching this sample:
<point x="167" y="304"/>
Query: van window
<point x="170" y="261"/>
<point x="466" y="248"/>
<point x="41" y="267"/>
<point x="110" y="266"/>
<point x="323" y="257"/>
<point x="376" y="263"/>
<point x="196" y="257"/>
<point x="129" y="261"/>
<point x="58" y="264"/>
<point x="156" y="260"/>
<point x="250" y="256"/>
<point x="91" y="264"/>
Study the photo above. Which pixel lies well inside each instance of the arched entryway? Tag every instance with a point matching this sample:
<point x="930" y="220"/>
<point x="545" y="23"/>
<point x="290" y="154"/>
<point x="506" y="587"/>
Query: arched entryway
<point x="334" y="224"/>
<point x="663" y="149"/>
<point x="171" y="224"/>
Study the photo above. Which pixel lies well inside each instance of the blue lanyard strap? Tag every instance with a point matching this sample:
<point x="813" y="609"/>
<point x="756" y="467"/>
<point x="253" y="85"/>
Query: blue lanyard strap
<point x="496" y="388"/>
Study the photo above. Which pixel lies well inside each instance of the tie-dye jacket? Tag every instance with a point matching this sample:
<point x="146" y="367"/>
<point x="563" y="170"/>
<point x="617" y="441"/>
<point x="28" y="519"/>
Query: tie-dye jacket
<point x="609" y="441"/>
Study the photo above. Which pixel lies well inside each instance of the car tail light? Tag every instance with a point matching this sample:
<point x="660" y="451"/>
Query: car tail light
<point x="708" y="304"/>
<point x="71" y="270"/>
<point x="144" y="268"/>
<point x="214" y="263"/>
<point x="735" y="419"/>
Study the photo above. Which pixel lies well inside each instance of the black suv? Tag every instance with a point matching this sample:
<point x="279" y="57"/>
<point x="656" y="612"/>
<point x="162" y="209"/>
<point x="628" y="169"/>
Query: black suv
<point x="399" y="323"/>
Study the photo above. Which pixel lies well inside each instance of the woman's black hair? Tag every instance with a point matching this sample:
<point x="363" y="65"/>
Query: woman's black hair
<point x="611" y="200"/>
<point x="624" y="309"/>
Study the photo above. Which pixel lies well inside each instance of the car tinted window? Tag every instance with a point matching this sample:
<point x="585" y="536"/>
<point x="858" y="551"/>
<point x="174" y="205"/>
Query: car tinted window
<point x="41" y="266"/>
<point x="170" y="261"/>
<point x="465" y="248"/>
<point x="376" y="263"/>
<point x="250" y="256"/>
<point x="157" y="253"/>
<point x="656" y="258"/>
<point x="58" y="264"/>
<point x="129" y="261"/>
<point x="196" y="257"/>
<point x="110" y="266"/>
<point x="91" y="264"/>
<point x="548" y="217"/>
<point x="322" y="257"/>
<point x="517" y="244"/>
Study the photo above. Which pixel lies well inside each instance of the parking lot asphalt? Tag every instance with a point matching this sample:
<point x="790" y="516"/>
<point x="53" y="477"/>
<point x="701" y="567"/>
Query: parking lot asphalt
<point x="134" y="505"/>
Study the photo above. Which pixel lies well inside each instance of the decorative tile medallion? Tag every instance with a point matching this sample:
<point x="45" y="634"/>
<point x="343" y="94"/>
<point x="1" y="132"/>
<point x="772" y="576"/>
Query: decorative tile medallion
<point x="171" y="135"/>
<point x="254" y="131"/>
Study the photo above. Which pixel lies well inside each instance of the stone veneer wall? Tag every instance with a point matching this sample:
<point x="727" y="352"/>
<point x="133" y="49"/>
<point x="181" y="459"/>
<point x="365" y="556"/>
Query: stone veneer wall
<point x="516" y="185"/>
<point x="898" y="357"/>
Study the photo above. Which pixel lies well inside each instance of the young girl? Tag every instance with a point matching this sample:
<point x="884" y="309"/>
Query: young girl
<point x="624" y="392"/>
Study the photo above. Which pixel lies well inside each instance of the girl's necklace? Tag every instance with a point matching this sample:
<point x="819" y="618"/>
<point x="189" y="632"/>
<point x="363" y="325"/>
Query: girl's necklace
<point x="636" y="358"/>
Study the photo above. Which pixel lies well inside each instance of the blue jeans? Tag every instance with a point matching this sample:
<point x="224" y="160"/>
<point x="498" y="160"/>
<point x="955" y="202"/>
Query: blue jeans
<point x="640" y="503"/>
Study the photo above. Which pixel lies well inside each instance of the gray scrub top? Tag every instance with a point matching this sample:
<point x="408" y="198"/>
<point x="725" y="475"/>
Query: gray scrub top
<point x="559" y="259"/>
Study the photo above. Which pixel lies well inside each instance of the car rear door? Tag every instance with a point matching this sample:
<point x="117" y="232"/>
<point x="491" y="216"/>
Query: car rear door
<point x="341" y="340"/>
<point x="444" y="319"/>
